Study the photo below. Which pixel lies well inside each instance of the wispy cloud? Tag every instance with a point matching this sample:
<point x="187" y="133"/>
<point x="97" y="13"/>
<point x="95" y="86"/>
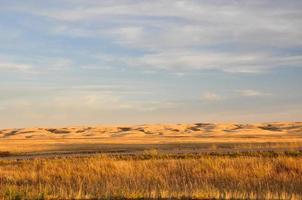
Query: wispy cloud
<point x="211" y="96"/>
<point x="233" y="36"/>
<point x="35" y="64"/>
<point x="81" y="98"/>
<point x="252" y="93"/>
<point x="7" y="65"/>
<point x="229" y="62"/>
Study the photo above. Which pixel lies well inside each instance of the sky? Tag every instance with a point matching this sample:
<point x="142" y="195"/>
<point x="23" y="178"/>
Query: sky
<point x="80" y="62"/>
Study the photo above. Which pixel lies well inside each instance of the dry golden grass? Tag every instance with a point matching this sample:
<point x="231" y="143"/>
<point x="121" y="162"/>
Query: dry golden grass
<point x="151" y="161"/>
<point x="153" y="176"/>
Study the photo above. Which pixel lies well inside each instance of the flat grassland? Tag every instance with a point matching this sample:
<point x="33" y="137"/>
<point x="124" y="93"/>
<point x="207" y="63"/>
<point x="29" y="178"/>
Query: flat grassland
<point x="153" y="176"/>
<point x="201" y="161"/>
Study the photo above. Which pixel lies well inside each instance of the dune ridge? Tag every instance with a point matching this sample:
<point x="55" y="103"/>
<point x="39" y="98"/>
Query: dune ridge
<point x="183" y="137"/>
<point x="158" y="130"/>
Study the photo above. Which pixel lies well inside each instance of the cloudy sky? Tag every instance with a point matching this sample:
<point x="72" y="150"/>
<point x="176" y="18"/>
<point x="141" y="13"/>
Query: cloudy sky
<point x="66" y="62"/>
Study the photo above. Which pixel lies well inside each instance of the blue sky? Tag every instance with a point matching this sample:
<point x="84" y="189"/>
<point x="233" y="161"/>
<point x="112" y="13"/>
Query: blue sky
<point x="66" y="62"/>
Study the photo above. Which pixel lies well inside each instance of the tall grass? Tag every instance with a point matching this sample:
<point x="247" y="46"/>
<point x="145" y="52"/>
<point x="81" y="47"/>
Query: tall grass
<point x="108" y="177"/>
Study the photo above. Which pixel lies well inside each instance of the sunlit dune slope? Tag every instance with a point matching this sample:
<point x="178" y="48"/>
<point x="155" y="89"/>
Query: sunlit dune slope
<point x="197" y="130"/>
<point x="132" y="138"/>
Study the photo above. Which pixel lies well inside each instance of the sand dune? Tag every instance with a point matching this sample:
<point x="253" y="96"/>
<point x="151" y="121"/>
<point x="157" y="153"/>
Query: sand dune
<point x="95" y="138"/>
<point x="158" y="130"/>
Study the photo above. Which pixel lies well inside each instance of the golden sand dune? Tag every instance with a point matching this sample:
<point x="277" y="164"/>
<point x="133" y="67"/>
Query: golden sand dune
<point x="96" y="137"/>
<point x="158" y="130"/>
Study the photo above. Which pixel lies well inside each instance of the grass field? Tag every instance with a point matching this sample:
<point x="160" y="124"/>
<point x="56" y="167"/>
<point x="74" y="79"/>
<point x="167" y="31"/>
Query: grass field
<point x="154" y="175"/>
<point x="198" y="161"/>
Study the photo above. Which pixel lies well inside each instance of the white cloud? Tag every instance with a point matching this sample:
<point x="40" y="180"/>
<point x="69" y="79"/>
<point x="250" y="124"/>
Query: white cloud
<point x="251" y="93"/>
<point x="210" y="96"/>
<point x="128" y="34"/>
<point x="7" y="63"/>
<point x="188" y="22"/>
<point x="233" y="36"/>
<point x="58" y="63"/>
<point x="230" y="62"/>
<point x="80" y="99"/>
<point x="34" y="64"/>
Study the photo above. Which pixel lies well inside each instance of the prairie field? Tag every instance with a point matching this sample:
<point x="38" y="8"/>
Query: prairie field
<point x="153" y="175"/>
<point x="183" y="161"/>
